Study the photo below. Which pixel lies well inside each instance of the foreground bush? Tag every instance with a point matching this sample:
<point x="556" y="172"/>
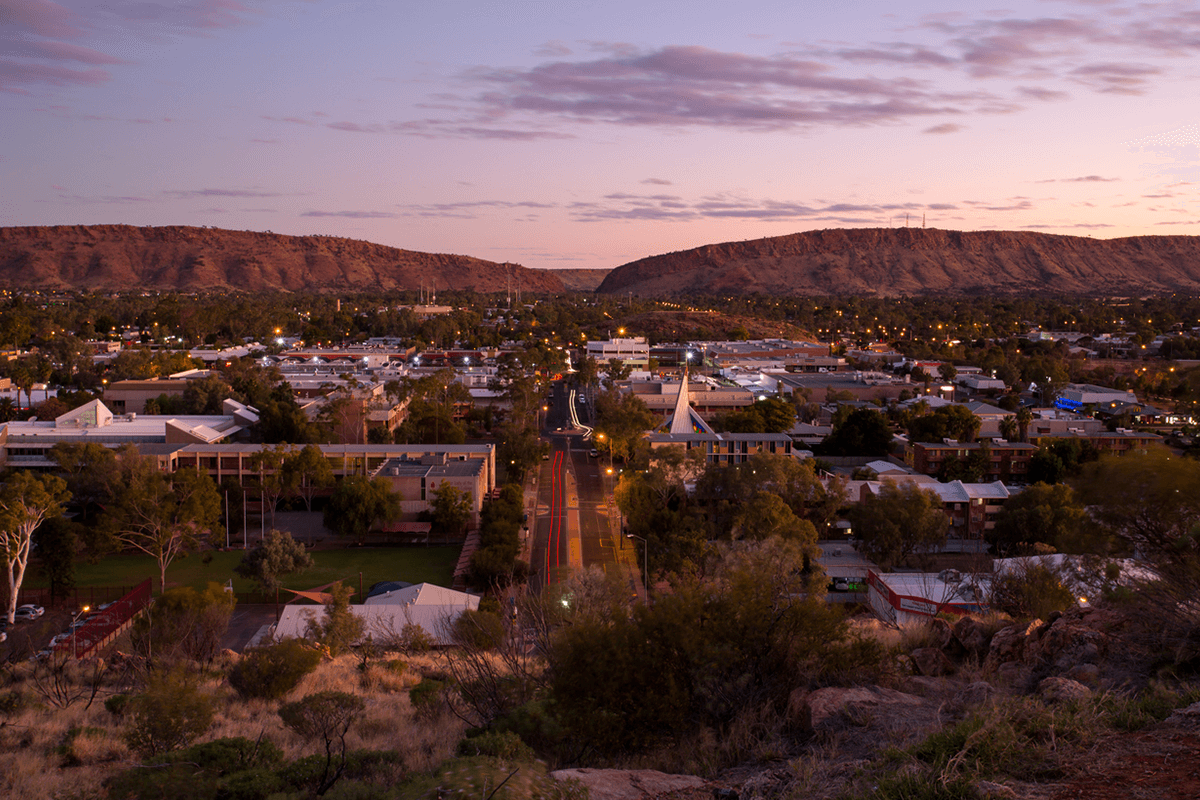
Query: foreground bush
<point x="170" y="714"/>
<point x="271" y="672"/>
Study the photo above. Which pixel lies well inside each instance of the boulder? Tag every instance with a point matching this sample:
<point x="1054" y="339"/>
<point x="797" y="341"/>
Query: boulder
<point x="1009" y="644"/>
<point x="931" y="662"/>
<point x="869" y="701"/>
<point x="973" y="695"/>
<point x="627" y="784"/>
<point x="973" y="636"/>
<point x="1087" y="674"/>
<point x="1062" y="690"/>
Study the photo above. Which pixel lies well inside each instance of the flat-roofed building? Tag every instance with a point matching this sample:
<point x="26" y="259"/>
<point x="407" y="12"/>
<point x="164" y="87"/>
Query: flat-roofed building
<point x="706" y="397"/>
<point x="1008" y="461"/>
<point x="728" y="448"/>
<point x="634" y="351"/>
<point x="234" y="460"/>
<point x="26" y="444"/>
<point x="417" y="481"/>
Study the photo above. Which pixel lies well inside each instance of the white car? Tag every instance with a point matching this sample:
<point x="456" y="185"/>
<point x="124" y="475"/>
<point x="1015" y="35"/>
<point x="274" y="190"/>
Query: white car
<point x="29" y="612"/>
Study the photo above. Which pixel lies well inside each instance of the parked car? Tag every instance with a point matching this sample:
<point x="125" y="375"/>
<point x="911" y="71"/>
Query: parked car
<point x="593" y="453"/>
<point x="29" y="612"/>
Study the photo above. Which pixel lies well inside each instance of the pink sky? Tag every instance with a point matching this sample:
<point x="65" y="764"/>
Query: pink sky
<point x="573" y="134"/>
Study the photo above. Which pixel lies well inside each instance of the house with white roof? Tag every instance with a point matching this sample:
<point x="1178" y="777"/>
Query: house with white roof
<point x="432" y="608"/>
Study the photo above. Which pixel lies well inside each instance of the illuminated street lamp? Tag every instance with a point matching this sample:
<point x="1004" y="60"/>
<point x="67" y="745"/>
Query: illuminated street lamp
<point x="75" y="631"/>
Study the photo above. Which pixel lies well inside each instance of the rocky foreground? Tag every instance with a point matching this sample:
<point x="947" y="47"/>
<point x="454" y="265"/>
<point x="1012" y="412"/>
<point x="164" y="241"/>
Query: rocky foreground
<point x="1039" y="711"/>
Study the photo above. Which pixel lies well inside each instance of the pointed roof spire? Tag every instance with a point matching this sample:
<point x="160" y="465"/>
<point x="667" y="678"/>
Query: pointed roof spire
<point x="685" y="419"/>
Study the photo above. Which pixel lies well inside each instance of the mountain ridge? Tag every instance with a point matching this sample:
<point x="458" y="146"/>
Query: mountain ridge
<point x="914" y="261"/>
<point x="178" y="257"/>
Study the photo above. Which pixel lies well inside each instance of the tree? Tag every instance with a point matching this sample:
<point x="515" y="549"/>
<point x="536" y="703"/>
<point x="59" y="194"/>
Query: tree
<point x="26" y="500"/>
<point x="899" y="521"/>
<point x="1008" y="428"/>
<point x="622" y="418"/>
<point x="1046" y="514"/>
<point x="616" y="370"/>
<point x="325" y="716"/>
<point x="864" y="432"/>
<point x="1150" y="500"/>
<point x="340" y="628"/>
<point x="268" y="463"/>
<point x="164" y="516"/>
<point x="278" y="554"/>
<point x="358" y="503"/>
<point x="306" y="472"/>
<point x="185" y="624"/>
<point x="56" y="546"/>
<point x="706" y="656"/>
<point x="947" y="422"/>
<point x="766" y="515"/>
<point x="1024" y="417"/>
<point x="769" y="415"/>
<point x="451" y="508"/>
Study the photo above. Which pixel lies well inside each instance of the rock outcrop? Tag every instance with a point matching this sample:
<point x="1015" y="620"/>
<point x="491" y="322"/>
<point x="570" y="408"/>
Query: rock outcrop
<point x="915" y="261"/>
<point x="178" y="258"/>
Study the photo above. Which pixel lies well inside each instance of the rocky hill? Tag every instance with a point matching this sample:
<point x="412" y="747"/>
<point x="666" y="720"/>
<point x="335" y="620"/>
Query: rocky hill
<point x="581" y="280"/>
<point x="914" y="261"/>
<point x="122" y="257"/>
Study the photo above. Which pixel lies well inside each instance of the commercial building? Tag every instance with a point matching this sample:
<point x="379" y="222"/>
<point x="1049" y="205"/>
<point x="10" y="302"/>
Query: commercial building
<point x="26" y="444"/>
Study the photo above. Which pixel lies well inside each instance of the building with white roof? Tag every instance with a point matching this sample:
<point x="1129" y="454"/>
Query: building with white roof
<point x="26" y="444"/>
<point x="432" y="608"/>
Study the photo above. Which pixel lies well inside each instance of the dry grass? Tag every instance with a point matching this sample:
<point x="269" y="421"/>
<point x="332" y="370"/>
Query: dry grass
<point x="48" y="752"/>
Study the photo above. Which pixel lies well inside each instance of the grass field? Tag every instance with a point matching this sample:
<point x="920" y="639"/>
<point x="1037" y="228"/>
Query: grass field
<point x="411" y="564"/>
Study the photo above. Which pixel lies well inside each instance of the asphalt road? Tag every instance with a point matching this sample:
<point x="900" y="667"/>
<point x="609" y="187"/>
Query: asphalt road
<point x="577" y="524"/>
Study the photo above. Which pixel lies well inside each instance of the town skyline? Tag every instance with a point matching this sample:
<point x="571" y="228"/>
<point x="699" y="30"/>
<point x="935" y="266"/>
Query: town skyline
<point x="591" y="136"/>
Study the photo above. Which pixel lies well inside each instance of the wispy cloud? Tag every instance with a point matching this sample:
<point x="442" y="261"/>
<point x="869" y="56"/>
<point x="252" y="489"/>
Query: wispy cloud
<point x="351" y="214"/>
<point x="222" y="193"/>
<point x="1082" y="179"/>
<point x="945" y="127"/>
<point x="38" y="36"/>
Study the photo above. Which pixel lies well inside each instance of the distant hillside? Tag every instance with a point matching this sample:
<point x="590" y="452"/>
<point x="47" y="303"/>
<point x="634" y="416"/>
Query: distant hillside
<point x="117" y="257"/>
<point x="581" y="280"/>
<point x="914" y="261"/>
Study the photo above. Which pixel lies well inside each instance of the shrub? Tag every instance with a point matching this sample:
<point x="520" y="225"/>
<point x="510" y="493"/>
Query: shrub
<point x="231" y="769"/>
<point x="504" y="745"/>
<point x="271" y="672"/>
<point x="397" y="667"/>
<point x="426" y="697"/>
<point x="361" y="765"/>
<point x="414" y="639"/>
<point x="11" y="702"/>
<point x="478" y="630"/>
<point x="169" y="715"/>
<point x="117" y="705"/>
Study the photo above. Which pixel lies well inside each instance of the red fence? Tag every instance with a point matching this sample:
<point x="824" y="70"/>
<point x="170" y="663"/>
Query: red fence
<point x="106" y="624"/>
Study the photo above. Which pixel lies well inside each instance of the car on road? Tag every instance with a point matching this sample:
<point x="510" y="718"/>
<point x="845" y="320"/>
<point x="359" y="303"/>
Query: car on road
<point x="28" y="612"/>
<point x="593" y="453"/>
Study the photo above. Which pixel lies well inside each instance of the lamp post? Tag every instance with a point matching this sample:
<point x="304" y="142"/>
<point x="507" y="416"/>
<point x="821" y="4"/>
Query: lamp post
<point x="645" y="562"/>
<point x="75" y="631"/>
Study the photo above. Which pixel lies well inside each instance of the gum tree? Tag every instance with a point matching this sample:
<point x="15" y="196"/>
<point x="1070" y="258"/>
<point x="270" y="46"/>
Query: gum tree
<point x="25" y="502"/>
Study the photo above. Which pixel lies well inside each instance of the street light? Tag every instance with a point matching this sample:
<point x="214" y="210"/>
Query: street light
<point x="75" y="631"/>
<point x="645" y="562"/>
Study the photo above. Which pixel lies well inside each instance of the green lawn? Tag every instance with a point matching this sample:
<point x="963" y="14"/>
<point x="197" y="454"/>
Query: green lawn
<point x="411" y="564"/>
